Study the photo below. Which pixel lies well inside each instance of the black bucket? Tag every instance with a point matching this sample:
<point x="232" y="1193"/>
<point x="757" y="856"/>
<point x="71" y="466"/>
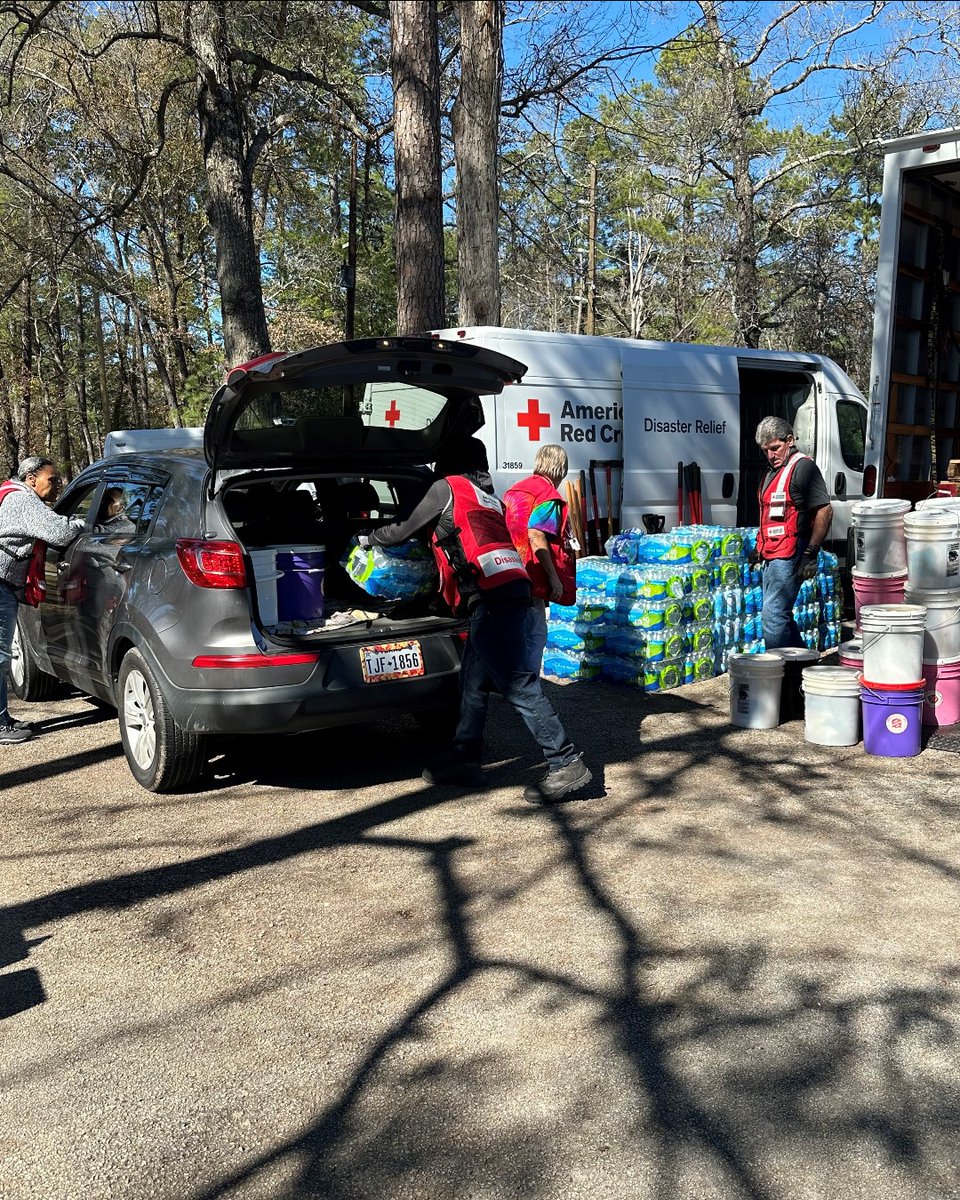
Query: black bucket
<point x="791" y="689"/>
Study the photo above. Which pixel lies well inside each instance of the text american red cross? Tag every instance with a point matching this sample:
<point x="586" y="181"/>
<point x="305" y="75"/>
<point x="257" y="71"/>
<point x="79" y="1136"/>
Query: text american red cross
<point x="534" y="420"/>
<point x="392" y="415"/>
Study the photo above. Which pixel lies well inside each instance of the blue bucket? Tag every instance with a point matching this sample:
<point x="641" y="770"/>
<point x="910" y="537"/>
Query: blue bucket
<point x="300" y="586"/>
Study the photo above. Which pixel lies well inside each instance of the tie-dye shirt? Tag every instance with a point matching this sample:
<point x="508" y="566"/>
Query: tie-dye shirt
<point x="545" y="517"/>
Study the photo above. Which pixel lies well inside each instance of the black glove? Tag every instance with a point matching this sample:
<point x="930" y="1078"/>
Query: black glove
<point x="808" y="564"/>
<point x="754" y="558"/>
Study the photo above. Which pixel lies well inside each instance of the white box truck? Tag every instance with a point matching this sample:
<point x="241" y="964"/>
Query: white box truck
<point x="914" y="428"/>
<point x="654" y="404"/>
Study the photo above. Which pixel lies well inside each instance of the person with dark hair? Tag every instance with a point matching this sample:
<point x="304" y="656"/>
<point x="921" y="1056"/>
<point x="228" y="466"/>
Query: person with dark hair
<point x="795" y="517"/>
<point x="27" y="527"/>
<point x="482" y="574"/>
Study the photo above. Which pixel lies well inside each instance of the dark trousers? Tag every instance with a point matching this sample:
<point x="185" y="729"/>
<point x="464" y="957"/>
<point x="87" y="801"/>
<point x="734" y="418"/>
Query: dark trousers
<point x="497" y="655"/>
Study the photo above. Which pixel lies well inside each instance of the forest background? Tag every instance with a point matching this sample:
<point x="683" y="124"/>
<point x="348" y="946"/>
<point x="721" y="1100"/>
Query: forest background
<point x="185" y="186"/>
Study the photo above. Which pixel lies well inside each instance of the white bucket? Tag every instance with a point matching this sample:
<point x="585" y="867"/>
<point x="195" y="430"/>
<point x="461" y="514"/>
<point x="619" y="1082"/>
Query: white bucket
<point x="892" y="637"/>
<point x="942" y="624"/>
<point x="755" y="681"/>
<point x="879" y="544"/>
<point x="939" y="504"/>
<point x="933" y="549"/>
<point x="831" y="703"/>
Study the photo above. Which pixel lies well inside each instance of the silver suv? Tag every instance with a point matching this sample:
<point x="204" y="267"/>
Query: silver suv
<point x="192" y="601"/>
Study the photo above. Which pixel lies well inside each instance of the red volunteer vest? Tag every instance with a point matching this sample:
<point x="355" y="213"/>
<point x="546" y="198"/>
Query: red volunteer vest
<point x="35" y="587"/>
<point x="480" y="549"/>
<point x="779" y="516"/>
<point x="519" y="502"/>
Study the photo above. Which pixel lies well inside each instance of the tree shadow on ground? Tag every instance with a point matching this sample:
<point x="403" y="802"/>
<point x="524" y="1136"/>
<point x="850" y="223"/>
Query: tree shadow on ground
<point x="735" y="1055"/>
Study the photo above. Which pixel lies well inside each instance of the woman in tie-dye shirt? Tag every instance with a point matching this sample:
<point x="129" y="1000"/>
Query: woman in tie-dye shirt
<point x="537" y="519"/>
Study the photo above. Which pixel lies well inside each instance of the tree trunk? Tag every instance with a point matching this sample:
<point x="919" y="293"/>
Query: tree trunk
<point x="22" y="422"/>
<point x="746" y="284"/>
<point x="475" y="127"/>
<point x="229" y="187"/>
<point x="81" y="385"/>
<point x="415" y="69"/>
<point x="106" y="402"/>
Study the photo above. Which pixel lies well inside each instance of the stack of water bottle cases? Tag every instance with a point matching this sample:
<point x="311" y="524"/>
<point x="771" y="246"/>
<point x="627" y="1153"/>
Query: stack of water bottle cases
<point x="661" y="610"/>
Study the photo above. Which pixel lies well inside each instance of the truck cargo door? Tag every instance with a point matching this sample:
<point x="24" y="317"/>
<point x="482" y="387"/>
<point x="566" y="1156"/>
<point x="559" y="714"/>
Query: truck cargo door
<point x="680" y="404"/>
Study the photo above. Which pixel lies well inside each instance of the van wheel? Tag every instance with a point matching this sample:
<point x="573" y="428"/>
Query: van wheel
<point x="27" y="681"/>
<point x="161" y="756"/>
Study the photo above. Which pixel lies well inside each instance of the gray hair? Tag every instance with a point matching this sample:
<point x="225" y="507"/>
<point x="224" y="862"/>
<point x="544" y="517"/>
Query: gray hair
<point x="773" y="429"/>
<point x="32" y="464"/>
<point x="551" y="462"/>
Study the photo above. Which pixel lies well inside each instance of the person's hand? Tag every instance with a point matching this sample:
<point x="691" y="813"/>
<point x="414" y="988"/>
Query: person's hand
<point x="754" y="558"/>
<point x="363" y="540"/>
<point x="808" y="564"/>
<point x="556" y="590"/>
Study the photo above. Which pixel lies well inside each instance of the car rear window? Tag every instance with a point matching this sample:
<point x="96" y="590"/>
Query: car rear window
<point x="386" y="406"/>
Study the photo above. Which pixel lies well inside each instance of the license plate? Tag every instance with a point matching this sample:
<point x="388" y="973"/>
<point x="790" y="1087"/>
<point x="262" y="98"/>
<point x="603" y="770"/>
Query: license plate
<point x="393" y="660"/>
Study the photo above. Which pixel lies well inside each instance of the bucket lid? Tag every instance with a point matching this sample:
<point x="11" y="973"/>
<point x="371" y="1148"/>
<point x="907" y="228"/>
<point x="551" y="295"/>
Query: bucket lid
<point x="932" y="518"/>
<point x="892" y="612"/>
<point x="765" y="661"/>
<point x="796" y="654"/>
<point x="882" y="580"/>
<point x="883" y="504"/>
<point x="892" y="687"/>
<point x="949" y="596"/>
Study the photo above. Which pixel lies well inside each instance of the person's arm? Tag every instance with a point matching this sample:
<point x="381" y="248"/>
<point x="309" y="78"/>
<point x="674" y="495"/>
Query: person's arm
<point x="541" y="552"/>
<point x="34" y="520"/>
<point x="424" y="516"/>
<point x="822" y="520"/>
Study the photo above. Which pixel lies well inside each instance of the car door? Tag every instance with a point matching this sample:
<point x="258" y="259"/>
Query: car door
<point x="102" y="563"/>
<point x="56" y="613"/>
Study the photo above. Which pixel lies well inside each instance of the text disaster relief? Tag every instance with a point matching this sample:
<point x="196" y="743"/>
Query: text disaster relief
<point x="597" y="423"/>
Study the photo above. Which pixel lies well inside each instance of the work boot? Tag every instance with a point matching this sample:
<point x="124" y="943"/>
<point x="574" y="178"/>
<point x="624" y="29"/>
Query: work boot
<point x="13" y="732"/>
<point x="460" y="765"/>
<point x="557" y="784"/>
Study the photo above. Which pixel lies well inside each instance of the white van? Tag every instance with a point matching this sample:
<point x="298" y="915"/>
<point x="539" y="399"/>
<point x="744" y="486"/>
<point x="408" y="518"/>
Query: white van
<point x="651" y="405"/>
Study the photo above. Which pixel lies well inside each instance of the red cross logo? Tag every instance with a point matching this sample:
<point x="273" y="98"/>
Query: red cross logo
<point x="534" y="420"/>
<point x="392" y="415"/>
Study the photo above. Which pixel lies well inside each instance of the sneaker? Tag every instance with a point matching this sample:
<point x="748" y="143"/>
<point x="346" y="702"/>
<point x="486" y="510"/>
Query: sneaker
<point x="559" y="783"/>
<point x="14" y="732"/>
<point x="456" y="766"/>
<point x="22" y="725"/>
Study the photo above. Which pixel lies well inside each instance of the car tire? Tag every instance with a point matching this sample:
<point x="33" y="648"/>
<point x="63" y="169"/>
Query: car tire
<point x="27" y="681"/>
<point x="161" y="756"/>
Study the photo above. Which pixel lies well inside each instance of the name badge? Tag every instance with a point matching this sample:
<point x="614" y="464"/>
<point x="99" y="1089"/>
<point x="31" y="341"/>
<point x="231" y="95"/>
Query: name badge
<point x="776" y="531"/>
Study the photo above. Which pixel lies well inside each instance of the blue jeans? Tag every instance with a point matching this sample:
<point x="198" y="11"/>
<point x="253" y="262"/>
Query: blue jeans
<point x="781" y="583"/>
<point x="538" y="636"/>
<point x="497" y="655"/>
<point x="8" y="623"/>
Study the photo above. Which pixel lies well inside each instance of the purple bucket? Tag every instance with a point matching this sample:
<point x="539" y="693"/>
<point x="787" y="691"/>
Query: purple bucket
<point x="892" y="719"/>
<point x="300" y="586"/>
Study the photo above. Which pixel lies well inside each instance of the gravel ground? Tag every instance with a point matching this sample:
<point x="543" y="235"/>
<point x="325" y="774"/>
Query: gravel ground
<point x="731" y="971"/>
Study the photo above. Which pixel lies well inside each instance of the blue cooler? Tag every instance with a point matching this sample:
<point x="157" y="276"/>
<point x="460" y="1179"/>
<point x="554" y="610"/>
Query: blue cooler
<point x="300" y="584"/>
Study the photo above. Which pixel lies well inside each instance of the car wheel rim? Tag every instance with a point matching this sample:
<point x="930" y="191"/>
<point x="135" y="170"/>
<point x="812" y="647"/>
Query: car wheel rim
<point x="16" y="659"/>
<point x="138" y="720"/>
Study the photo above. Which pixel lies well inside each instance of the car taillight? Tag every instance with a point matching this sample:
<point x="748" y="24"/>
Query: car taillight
<point x="869" y="481"/>
<point x="212" y="564"/>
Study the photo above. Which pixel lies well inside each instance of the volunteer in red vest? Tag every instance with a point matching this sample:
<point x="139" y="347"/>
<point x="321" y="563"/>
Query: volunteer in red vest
<point x="795" y="516"/>
<point x="25" y="520"/>
<point x="539" y="526"/>
<point x="482" y="575"/>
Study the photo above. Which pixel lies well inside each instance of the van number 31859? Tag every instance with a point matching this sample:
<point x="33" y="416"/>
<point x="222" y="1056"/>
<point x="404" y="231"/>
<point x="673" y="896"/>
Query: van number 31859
<point x="511" y="466"/>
